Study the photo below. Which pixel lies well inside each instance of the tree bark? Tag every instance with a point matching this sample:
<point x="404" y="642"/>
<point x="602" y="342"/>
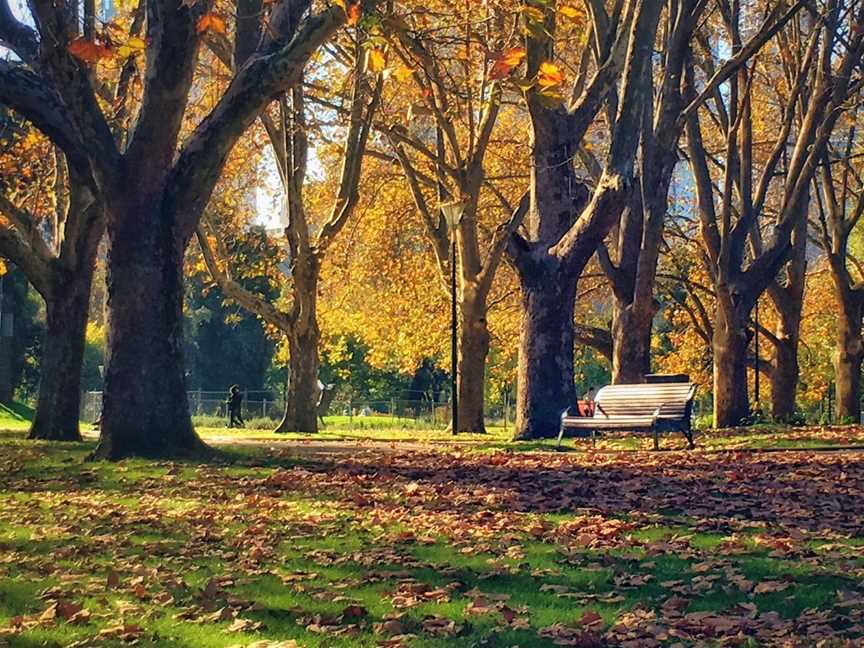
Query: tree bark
<point x="631" y="344"/>
<point x="788" y="301"/>
<point x="471" y="376"/>
<point x="731" y="403"/>
<point x="784" y="374"/>
<point x="146" y="410"/>
<point x="545" y="373"/>
<point x="301" y="397"/>
<point x="847" y="363"/>
<point x="59" y="402"/>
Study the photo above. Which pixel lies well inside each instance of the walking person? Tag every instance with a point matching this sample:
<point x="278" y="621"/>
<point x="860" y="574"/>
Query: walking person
<point x="235" y="407"/>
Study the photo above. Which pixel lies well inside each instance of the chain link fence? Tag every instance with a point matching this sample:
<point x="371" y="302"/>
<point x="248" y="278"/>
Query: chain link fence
<point x="265" y="409"/>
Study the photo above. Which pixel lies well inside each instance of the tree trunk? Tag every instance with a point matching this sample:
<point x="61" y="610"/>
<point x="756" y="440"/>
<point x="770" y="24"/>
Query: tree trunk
<point x="301" y="398"/>
<point x="784" y="374"/>
<point x="847" y="359"/>
<point x="631" y="344"/>
<point x="59" y="403"/>
<point x="545" y="373"/>
<point x="471" y="376"/>
<point x="731" y="403"/>
<point x="145" y="409"/>
<point x="788" y="301"/>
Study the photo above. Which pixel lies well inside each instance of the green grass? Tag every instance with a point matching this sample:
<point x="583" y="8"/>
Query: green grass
<point x="301" y="539"/>
<point x="15" y="416"/>
<point x="340" y="429"/>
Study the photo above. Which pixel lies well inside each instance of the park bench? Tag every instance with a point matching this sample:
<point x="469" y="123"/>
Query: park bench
<point x="656" y="408"/>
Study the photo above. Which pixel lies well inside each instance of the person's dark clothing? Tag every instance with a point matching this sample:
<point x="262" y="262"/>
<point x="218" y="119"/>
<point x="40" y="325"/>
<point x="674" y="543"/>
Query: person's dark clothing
<point x="235" y="406"/>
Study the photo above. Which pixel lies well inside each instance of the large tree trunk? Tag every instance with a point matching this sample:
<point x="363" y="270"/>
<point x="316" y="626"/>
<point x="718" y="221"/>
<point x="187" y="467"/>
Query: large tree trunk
<point x="784" y="373"/>
<point x="847" y="365"/>
<point x="545" y="373"/>
<point x="471" y="376"/>
<point x="788" y="300"/>
<point x="301" y="398"/>
<point x="631" y="344"/>
<point x="731" y="403"/>
<point x="59" y="402"/>
<point x="146" y="410"/>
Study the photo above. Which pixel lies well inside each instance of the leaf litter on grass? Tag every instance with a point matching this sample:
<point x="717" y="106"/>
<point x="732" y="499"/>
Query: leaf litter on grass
<point x="404" y="548"/>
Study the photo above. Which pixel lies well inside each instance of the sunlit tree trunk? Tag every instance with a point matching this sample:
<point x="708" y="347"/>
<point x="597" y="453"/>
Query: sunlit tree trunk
<point x="301" y="397"/>
<point x="473" y="351"/>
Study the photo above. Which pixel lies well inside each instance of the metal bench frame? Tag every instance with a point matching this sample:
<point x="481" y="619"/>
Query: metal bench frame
<point x="655" y="423"/>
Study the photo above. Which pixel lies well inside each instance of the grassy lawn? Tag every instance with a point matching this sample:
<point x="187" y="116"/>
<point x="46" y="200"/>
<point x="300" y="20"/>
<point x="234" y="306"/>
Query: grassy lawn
<point x="342" y="428"/>
<point x="499" y="438"/>
<point x="15" y="416"/>
<point x="441" y="547"/>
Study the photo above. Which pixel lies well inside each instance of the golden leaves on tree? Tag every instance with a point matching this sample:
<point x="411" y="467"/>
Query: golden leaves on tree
<point x="210" y="22"/>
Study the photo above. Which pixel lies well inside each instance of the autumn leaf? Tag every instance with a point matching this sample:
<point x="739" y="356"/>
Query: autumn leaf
<point x="403" y="73"/>
<point x="354" y="12"/>
<point x="89" y="52"/>
<point x="375" y="61"/>
<point x="132" y="47"/>
<point x="513" y="56"/>
<point x="570" y="11"/>
<point x="505" y="62"/>
<point x="210" y="22"/>
<point x="549" y="75"/>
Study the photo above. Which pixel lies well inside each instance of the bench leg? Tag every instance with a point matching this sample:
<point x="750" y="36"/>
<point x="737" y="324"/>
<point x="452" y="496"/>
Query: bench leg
<point x="560" y="437"/>
<point x="688" y="433"/>
<point x="656" y="433"/>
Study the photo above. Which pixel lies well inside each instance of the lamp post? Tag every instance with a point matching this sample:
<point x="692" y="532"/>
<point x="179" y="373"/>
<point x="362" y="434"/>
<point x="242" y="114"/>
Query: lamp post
<point x="756" y="376"/>
<point x="452" y="212"/>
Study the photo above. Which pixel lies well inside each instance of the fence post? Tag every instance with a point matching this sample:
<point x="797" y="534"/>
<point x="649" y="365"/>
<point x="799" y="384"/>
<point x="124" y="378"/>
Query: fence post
<point x="198" y="405"/>
<point x="264" y="407"/>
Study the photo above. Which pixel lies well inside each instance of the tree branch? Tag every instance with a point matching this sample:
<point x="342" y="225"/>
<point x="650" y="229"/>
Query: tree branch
<point x="238" y="293"/>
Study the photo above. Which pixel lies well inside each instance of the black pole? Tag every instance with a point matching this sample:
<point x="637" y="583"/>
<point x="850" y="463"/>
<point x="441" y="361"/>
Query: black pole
<point x="454" y="361"/>
<point x="756" y="377"/>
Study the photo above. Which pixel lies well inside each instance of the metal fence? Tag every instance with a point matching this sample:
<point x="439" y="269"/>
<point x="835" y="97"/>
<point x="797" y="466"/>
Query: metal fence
<point x="265" y="408"/>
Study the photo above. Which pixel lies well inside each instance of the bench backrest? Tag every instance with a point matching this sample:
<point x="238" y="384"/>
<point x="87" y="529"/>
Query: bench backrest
<point x="644" y="399"/>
